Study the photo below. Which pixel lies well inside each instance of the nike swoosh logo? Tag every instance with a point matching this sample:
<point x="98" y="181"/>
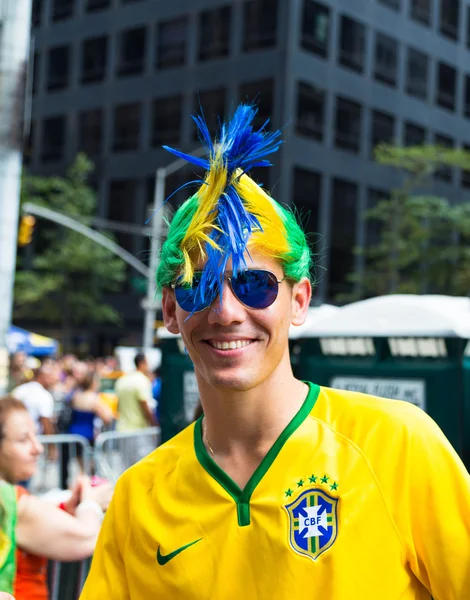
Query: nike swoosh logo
<point x="162" y="559"/>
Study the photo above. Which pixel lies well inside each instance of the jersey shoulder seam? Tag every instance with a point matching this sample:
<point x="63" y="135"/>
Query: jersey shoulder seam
<point x="363" y="455"/>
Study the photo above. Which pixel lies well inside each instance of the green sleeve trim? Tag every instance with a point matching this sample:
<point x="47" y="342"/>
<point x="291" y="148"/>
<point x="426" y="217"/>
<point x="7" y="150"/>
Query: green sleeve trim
<point x="242" y="497"/>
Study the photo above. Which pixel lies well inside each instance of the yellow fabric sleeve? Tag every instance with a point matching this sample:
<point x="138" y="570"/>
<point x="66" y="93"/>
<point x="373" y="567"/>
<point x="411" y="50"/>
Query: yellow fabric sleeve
<point x="107" y="577"/>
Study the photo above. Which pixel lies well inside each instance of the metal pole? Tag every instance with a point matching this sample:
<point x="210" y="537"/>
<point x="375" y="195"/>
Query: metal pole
<point x="151" y="303"/>
<point x="15" y="19"/>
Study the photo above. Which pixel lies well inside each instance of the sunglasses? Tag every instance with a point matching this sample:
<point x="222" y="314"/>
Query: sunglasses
<point x="255" y="288"/>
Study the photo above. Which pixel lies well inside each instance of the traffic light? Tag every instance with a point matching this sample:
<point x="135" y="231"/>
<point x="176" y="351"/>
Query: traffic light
<point x="25" y="233"/>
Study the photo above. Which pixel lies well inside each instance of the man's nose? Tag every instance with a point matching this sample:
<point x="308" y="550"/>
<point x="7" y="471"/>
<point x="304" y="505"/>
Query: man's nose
<point x="229" y="311"/>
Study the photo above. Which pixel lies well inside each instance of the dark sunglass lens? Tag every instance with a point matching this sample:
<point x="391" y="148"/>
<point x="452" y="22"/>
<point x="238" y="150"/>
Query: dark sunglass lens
<point x="255" y="288"/>
<point x="188" y="298"/>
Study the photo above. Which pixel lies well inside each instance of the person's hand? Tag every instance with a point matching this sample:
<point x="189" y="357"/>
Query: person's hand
<point x="5" y="596"/>
<point x="101" y="494"/>
<point x="76" y="497"/>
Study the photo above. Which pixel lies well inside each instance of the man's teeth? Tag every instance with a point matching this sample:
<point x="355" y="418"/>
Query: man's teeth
<point x="230" y="345"/>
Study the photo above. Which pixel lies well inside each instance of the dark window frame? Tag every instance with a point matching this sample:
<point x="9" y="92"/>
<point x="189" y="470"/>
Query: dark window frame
<point x="380" y="121"/>
<point x="219" y="22"/>
<point x="96" y="5"/>
<point x="409" y="131"/>
<point x="127" y="143"/>
<point x="448" y="28"/>
<point x="446" y="174"/>
<point x="417" y="87"/>
<point x="465" y="174"/>
<point x="317" y="96"/>
<point x="321" y="15"/>
<point x="354" y="34"/>
<point x="257" y="12"/>
<point x="421" y="13"/>
<point x="343" y="140"/>
<point x="88" y="143"/>
<point x="61" y="81"/>
<point x="443" y="98"/>
<point x="52" y="153"/>
<point x="170" y="56"/>
<point x="466" y="92"/>
<point x="172" y="107"/>
<point x="62" y="12"/>
<point x="98" y="73"/>
<point x="132" y="66"/>
<point x="383" y="74"/>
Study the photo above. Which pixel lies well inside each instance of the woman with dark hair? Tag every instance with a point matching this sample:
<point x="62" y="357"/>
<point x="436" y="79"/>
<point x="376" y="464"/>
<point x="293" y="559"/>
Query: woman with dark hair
<point x="33" y="530"/>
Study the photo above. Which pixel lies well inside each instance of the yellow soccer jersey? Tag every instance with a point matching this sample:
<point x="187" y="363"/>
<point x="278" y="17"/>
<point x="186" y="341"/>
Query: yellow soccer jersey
<point x="359" y="498"/>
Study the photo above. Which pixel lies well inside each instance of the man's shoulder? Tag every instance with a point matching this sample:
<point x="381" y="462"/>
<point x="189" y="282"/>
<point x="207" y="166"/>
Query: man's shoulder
<point x="356" y="415"/>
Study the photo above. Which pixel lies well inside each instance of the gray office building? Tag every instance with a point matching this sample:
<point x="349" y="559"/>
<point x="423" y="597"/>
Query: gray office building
<point x="119" y="78"/>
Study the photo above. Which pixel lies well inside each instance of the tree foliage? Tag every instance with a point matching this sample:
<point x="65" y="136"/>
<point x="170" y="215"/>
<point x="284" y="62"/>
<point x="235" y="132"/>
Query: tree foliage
<point x="65" y="281"/>
<point x="424" y="240"/>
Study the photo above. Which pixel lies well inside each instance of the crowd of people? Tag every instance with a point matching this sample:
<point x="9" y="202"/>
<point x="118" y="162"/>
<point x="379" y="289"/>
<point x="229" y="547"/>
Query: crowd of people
<point x="63" y="395"/>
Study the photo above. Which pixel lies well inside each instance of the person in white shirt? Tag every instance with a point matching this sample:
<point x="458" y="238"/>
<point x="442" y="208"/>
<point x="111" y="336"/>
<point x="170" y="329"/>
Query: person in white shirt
<point x="38" y="399"/>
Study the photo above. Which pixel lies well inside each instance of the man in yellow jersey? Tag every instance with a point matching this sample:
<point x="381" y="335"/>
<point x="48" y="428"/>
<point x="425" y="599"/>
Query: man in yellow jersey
<point x="282" y="489"/>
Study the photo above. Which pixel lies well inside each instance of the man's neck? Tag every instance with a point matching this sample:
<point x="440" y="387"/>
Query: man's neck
<point x="241" y="427"/>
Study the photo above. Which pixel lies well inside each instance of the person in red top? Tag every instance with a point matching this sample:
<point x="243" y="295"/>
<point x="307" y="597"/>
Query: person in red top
<point x="43" y="531"/>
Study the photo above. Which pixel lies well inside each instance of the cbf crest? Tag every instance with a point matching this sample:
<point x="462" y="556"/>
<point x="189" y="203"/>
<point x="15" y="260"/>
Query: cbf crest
<point x="313" y="522"/>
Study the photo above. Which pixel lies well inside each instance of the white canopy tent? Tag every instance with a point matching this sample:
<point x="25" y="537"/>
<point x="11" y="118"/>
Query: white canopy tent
<point x="399" y="315"/>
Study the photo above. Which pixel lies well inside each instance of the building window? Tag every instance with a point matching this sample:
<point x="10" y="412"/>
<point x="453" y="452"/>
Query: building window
<point x="62" y="9"/>
<point x="315" y="28"/>
<point x="95" y="5"/>
<point x="36" y="13"/>
<point x="468" y="26"/>
<point x="344" y="202"/>
<point x="348" y="125"/>
<point x="352" y="44"/>
<point x="53" y="139"/>
<point x="466" y="100"/>
<point x="122" y="207"/>
<point x="386" y="52"/>
<point x="214" y="33"/>
<point x="259" y="24"/>
<point x="58" y="68"/>
<point x="213" y="103"/>
<point x="465" y="175"/>
<point x="166" y="120"/>
<point x="90" y="132"/>
<point x="132" y="51"/>
<point x="28" y="149"/>
<point x="417" y="74"/>
<point x="171" y="43"/>
<point x="450" y="12"/>
<point x="383" y="129"/>
<point x="94" y="58"/>
<point x="415" y="135"/>
<point x="420" y="10"/>
<point x="393" y="4"/>
<point x="446" y="86"/>
<point x="126" y="127"/>
<point x="310" y="111"/>
<point x="36" y="67"/>
<point x="261" y="92"/>
<point x="444" y="174"/>
<point x="306" y="199"/>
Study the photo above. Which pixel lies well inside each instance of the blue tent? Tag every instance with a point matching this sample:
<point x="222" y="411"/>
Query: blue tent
<point x="20" y="340"/>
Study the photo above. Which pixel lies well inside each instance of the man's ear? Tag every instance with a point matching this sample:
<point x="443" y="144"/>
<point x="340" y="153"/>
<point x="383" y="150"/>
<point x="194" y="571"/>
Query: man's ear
<point x="301" y="295"/>
<point x="169" y="310"/>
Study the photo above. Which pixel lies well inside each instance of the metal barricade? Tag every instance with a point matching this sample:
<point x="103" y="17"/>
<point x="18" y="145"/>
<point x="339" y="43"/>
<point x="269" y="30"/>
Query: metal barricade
<point x="63" y="453"/>
<point x="116" y="451"/>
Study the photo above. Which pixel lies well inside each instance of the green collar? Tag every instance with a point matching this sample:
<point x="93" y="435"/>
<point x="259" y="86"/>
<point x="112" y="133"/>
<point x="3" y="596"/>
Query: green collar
<point x="242" y="497"/>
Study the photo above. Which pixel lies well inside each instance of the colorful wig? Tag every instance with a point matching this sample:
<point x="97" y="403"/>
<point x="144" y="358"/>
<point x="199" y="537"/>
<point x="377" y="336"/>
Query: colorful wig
<point x="230" y="213"/>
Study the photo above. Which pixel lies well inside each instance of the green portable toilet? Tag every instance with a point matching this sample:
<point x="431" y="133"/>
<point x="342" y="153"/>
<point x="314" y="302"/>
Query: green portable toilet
<point x="179" y="394"/>
<point x="401" y="346"/>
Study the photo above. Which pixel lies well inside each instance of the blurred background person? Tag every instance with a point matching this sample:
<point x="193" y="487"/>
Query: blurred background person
<point x="87" y="407"/>
<point x="42" y="530"/>
<point x="136" y="409"/>
<point x="17" y="374"/>
<point x="37" y="397"/>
